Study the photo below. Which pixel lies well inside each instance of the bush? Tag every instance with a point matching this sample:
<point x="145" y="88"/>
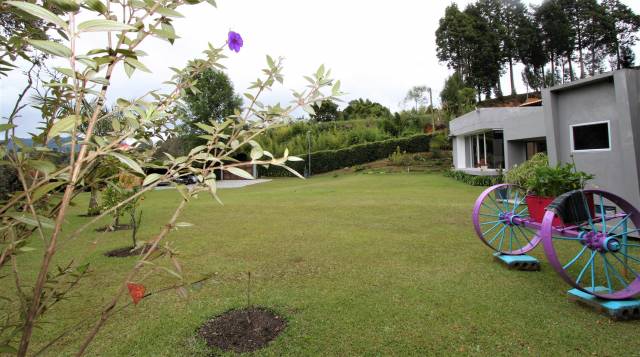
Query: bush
<point x="9" y="182"/>
<point x="520" y="174"/>
<point x="474" y="180"/>
<point x="400" y="158"/>
<point x="554" y="181"/>
<point x="329" y="160"/>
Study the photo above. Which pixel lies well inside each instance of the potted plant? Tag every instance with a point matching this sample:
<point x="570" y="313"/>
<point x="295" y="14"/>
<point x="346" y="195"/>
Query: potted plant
<point x="546" y="183"/>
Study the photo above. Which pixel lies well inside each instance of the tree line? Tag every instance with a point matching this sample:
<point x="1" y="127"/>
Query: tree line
<point x="556" y="41"/>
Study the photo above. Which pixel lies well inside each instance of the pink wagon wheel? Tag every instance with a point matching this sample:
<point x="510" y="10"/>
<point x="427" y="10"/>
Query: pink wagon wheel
<point x="597" y="249"/>
<point x="501" y="220"/>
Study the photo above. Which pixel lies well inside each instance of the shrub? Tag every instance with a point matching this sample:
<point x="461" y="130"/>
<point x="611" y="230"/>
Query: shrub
<point x="400" y="158"/>
<point x="553" y="181"/>
<point x="520" y="174"/>
<point x="474" y="180"/>
<point x="329" y="160"/>
<point x="9" y="182"/>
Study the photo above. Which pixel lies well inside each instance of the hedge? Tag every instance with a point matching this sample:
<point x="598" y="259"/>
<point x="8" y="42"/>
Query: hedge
<point x="474" y="180"/>
<point x="330" y="160"/>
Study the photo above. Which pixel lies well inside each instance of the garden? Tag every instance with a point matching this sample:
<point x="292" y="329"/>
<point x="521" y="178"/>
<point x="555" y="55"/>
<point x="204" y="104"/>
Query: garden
<point x="355" y="264"/>
<point x="118" y="239"/>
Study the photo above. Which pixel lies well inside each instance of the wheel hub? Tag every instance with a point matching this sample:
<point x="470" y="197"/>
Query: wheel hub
<point x="509" y="218"/>
<point x="600" y="242"/>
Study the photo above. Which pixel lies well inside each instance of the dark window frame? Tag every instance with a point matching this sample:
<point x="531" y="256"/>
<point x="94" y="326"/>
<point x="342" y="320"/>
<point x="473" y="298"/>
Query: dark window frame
<point x="573" y="143"/>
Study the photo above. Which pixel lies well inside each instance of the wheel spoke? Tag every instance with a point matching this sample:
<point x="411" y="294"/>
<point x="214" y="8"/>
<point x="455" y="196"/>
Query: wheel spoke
<point x="606" y="272"/>
<point x="491" y="208"/>
<point x="629" y="232"/>
<point x="615" y="271"/>
<point x="492" y="222"/>
<point x="567" y="238"/>
<point x="603" y="215"/>
<point x="625" y="264"/>
<point x="490" y="229"/>
<point x="575" y="259"/>
<point x="496" y="235"/>
<point x="623" y="221"/>
<point x="513" y="233"/>
<point x="586" y="206"/>
<point x="524" y="235"/>
<point x="593" y="254"/>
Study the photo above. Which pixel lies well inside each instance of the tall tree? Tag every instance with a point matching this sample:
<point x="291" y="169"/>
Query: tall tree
<point x="557" y="33"/>
<point x="363" y="109"/>
<point x="416" y="95"/>
<point x="214" y="99"/>
<point x="531" y="51"/>
<point x="326" y="111"/>
<point x="485" y="59"/>
<point x="625" y="27"/>
<point x="456" y="97"/>
<point x="452" y="39"/>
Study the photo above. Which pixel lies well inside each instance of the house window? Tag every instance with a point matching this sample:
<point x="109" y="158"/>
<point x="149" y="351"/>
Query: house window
<point x="487" y="149"/>
<point x="591" y="136"/>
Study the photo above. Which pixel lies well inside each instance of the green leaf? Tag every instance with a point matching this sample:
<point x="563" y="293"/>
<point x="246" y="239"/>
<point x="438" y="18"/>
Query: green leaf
<point x="137" y="64"/>
<point x="103" y="25"/>
<point x="52" y="48"/>
<point x="66" y="71"/>
<point x="38" y="11"/>
<point x="239" y="172"/>
<point x="43" y="190"/>
<point x="66" y="5"/>
<point x="256" y="153"/>
<point x="129" y="69"/>
<point x="4" y="127"/>
<point x="165" y="11"/>
<point x="96" y="5"/>
<point x="25" y="250"/>
<point x="128" y="161"/>
<point x="63" y="125"/>
<point x="43" y="166"/>
<point x="29" y="220"/>
<point x="184" y="224"/>
<point x="151" y="178"/>
<point x="8" y="349"/>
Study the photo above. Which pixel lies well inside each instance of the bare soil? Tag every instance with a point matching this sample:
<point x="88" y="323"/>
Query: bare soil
<point x="244" y="330"/>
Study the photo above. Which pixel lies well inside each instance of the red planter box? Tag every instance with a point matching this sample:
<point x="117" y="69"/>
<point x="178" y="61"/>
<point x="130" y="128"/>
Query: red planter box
<point x="538" y="205"/>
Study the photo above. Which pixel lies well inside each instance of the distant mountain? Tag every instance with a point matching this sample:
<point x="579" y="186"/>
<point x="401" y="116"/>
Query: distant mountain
<point x="64" y="147"/>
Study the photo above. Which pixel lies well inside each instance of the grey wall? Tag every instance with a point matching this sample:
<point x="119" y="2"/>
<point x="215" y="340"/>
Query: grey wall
<point x="516" y="123"/>
<point x="611" y="97"/>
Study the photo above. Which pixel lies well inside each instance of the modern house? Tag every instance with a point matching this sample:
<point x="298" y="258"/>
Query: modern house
<point x="594" y="122"/>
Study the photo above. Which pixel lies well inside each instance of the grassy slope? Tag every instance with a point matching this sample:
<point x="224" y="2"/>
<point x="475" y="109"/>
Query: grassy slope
<point x="359" y="264"/>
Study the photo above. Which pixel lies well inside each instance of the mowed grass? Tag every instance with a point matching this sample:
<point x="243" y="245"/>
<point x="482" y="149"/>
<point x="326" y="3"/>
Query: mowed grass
<point x="358" y="265"/>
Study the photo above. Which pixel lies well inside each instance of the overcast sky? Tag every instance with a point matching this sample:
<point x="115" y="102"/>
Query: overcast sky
<point x="378" y="49"/>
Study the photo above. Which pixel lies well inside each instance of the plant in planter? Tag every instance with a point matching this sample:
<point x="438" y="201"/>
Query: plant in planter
<point x="546" y="183"/>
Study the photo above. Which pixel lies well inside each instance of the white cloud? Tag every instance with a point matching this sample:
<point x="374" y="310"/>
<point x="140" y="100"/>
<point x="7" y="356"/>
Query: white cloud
<point x="379" y="49"/>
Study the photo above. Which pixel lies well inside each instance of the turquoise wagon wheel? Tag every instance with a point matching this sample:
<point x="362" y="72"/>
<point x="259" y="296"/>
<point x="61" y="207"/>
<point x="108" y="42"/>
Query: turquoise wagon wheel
<point x="597" y="250"/>
<point x="501" y="220"/>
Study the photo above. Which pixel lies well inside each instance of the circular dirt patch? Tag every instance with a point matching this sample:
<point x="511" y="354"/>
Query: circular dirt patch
<point x="127" y="251"/>
<point x="243" y="330"/>
<point x="120" y="227"/>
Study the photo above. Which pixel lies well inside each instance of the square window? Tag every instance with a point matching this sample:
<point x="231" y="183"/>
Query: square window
<point x="593" y="136"/>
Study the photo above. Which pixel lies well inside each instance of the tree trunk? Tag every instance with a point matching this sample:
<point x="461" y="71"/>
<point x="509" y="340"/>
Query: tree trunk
<point x="570" y="67"/>
<point x="553" y="70"/>
<point x="581" y="59"/>
<point x="513" y="83"/>
<point x="94" y="208"/>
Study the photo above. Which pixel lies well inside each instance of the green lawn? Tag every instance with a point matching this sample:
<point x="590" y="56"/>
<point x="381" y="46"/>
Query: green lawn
<point x="384" y="264"/>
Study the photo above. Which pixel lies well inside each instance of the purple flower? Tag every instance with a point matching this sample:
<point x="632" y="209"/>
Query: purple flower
<point x="235" y="41"/>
